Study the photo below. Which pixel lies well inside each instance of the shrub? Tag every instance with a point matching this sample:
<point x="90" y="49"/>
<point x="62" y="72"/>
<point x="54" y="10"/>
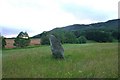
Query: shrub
<point x="82" y="40"/>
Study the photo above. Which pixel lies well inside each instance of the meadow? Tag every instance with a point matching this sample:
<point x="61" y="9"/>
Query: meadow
<point x="91" y="60"/>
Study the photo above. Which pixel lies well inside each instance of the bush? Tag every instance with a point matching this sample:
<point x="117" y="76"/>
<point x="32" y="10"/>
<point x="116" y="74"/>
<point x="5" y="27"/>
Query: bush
<point x="82" y="40"/>
<point x="22" y="40"/>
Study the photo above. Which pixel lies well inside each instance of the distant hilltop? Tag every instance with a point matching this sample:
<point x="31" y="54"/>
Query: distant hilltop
<point x="108" y="25"/>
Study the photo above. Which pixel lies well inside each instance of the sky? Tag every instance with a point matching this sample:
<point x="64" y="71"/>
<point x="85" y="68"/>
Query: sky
<point x="36" y="16"/>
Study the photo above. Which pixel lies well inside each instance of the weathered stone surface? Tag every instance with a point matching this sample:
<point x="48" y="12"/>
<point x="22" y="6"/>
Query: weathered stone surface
<point x="56" y="47"/>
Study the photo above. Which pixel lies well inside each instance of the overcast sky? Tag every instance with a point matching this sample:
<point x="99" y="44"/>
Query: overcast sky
<point x="36" y="16"/>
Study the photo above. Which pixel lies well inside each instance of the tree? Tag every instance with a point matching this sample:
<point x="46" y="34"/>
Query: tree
<point x="45" y="38"/>
<point x="59" y="34"/>
<point x="70" y="37"/>
<point x="22" y="40"/>
<point x="116" y="35"/>
<point x="82" y="39"/>
<point x="3" y="42"/>
<point x="99" y="36"/>
<point x="79" y="33"/>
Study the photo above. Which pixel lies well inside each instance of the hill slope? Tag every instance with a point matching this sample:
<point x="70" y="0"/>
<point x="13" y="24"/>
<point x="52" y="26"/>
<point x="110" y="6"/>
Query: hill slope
<point x="109" y="25"/>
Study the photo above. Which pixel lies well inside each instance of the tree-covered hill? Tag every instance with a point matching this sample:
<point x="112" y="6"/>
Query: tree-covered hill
<point x="111" y="25"/>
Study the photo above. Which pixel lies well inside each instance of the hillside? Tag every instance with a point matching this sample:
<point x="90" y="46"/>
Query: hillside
<point x="111" y="24"/>
<point x="108" y="25"/>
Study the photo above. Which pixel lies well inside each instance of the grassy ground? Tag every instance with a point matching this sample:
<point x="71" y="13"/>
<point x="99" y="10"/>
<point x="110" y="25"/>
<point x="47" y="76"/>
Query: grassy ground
<point x="92" y="60"/>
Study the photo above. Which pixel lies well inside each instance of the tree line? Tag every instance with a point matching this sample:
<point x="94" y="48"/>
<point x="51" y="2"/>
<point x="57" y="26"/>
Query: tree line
<point x="22" y="40"/>
<point x="79" y="37"/>
<point x="72" y="37"/>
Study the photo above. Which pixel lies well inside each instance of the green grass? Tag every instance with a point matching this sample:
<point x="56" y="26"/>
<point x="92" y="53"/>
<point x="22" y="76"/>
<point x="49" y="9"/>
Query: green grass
<point x="92" y="60"/>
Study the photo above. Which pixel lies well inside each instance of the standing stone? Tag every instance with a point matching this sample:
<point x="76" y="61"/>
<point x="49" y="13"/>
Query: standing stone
<point x="56" y="47"/>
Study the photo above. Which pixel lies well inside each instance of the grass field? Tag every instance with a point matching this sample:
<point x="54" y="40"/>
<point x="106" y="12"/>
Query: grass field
<point x="92" y="60"/>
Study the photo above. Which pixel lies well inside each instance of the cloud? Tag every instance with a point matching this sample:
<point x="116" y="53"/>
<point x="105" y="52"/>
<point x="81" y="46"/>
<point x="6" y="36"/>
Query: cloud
<point x="82" y="13"/>
<point x="102" y="5"/>
<point x="17" y="14"/>
<point x="96" y="10"/>
<point x="37" y="16"/>
<point x="12" y="32"/>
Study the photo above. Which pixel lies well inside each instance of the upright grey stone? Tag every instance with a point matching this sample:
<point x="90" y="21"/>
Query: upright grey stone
<point x="56" y="47"/>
